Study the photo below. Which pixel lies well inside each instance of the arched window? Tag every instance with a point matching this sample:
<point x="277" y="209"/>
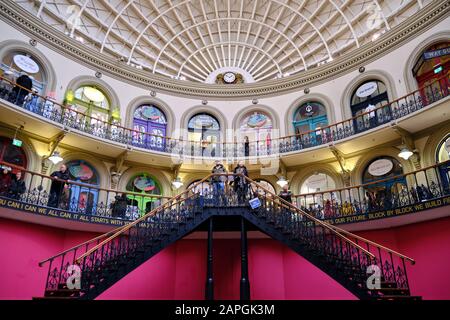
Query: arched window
<point x="85" y="197"/>
<point x="205" y="129"/>
<point x="146" y="185"/>
<point x="15" y="63"/>
<point x="310" y="116"/>
<point x="433" y="64"/>
<point x="149" y="119"/>
<point x="12" y="154"/>
<point x="384" y="169"/>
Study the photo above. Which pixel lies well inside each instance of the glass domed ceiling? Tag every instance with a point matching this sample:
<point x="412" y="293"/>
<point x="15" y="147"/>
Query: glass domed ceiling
<point x="193" y="40"/>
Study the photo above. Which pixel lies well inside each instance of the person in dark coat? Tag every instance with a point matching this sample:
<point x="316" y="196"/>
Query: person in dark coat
<point x="5" y="181"/>
<point x="246" y="146"/>
<point x="17" y="187"/>
<point x="119" y="207"/>
<point x="24" y="81"/>
<point x="57" y="186"/>
<point x="286" y="194"/>
<point x="218" y="182"/>
<point x="240" y="184"/>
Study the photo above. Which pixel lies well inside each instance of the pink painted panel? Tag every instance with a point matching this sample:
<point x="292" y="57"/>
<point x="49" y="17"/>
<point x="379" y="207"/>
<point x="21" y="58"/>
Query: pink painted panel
<point x="179" y="271"/>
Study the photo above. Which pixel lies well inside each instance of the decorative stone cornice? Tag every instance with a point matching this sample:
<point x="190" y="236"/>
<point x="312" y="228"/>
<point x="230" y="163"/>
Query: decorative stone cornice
<point x="37" y="29"/>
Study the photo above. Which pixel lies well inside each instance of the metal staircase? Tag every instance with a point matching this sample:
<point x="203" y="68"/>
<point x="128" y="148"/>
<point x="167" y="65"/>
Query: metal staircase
<point x="347" y="258"/>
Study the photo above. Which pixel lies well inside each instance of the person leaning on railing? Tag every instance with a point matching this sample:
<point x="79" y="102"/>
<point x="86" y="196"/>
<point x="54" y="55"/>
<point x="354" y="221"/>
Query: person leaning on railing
<point x="5" y="180"/>
<point x="17" y="187"/>
<point x="57" y="186"/>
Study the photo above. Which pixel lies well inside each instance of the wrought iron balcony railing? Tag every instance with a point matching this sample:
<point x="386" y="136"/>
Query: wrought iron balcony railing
<point x="68" y="116"/>
<point x="414" y="191"/>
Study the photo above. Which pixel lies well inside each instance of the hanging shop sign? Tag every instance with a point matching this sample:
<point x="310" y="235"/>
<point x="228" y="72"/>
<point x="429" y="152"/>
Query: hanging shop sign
<point x="26" y="63"/>
<point x="436" y="53"/>
<point x="380" y="167"/>
<point x="366" y="89"/>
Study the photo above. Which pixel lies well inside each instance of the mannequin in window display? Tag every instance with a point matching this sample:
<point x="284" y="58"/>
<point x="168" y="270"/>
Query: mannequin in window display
<point x="240" y="184"/>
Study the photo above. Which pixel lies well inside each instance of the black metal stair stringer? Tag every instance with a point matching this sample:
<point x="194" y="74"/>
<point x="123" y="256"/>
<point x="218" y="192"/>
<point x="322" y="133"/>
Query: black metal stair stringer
<point x="142" y="256"/>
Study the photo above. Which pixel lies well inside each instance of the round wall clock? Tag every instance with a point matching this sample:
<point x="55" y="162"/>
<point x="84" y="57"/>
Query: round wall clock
<point x="229" y="77"/>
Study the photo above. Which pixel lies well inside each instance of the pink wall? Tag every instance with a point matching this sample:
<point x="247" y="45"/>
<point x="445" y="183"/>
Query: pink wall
<point x="179" y="271"/>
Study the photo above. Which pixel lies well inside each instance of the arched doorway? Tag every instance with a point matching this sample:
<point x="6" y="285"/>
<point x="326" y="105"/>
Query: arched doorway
<point x="16" y="63"/>
<point x="204" y="135"/>
<point x="83" y="196"/>
<point x="388" y="172"/>
<point x="142" y="203"/>
<point x="311" y="117"/>
<point x="11" y="154"/>
<point x="93" y="109"/>
<point x="256" y="127"/>
<point x="432" y="71"/>
<point x="368" y="96"/>
<point x="151" y="120"/>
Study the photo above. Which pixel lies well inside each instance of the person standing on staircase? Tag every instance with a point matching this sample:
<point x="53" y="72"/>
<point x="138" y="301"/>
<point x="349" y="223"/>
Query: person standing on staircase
<point x="240" y="184"/>
<point x="218" y="182"/>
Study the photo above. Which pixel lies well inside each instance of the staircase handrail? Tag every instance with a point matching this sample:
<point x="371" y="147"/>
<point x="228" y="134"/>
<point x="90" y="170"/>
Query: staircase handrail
<point x="289" y="205"/>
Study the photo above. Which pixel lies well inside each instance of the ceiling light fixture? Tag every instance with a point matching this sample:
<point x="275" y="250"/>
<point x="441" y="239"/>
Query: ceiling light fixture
<point x="405" y="153"/>
<point x="55" y="157"/>
<point x="177" y="183"/>
<point x="282" y="182"/>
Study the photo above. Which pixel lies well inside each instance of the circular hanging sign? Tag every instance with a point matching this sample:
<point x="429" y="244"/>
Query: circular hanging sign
<point x="366" y="89"/>
<point x="380" y="167"/>
<point x="26" y="63"/>
<point x="256" y="120"/>
<point x="144" y="183"/>
<point x="81" y="171"/>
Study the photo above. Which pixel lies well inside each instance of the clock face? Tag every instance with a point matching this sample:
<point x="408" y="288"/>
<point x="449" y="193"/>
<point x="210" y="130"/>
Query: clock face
<point x="229" y="77"/>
